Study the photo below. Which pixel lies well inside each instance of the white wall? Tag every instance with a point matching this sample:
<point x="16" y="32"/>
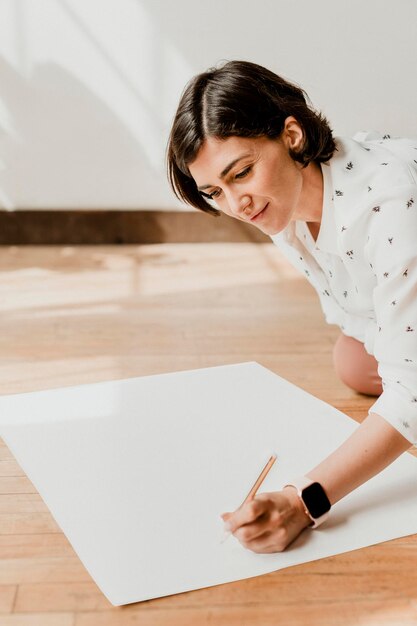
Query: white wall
<point x="88" y="88"/>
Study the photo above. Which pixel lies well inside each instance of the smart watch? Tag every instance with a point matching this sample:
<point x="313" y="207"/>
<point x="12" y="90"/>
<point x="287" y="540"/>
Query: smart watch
<point x="315" y="501"/>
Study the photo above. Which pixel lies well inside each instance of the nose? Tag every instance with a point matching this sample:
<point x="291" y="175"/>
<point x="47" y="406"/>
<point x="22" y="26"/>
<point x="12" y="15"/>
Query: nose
<point x="239" y="204"/>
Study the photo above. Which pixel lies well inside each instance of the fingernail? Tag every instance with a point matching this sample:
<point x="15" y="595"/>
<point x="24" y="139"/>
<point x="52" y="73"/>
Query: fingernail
<point x="227" y="527"/>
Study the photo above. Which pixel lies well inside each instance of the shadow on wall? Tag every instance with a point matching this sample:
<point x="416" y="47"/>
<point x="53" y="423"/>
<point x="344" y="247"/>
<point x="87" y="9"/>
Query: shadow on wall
<point x="46" y="112"/>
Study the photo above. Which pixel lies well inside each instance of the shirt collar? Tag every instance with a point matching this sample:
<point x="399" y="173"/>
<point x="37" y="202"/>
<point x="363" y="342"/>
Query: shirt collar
<point x="327" y="237"/>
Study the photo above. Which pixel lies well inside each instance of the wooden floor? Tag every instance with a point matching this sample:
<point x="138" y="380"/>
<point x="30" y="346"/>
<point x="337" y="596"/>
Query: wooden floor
<point x="72" y="315"/>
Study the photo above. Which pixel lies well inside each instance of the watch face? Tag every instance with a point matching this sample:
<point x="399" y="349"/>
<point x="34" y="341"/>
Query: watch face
<point x="316" y="500"/>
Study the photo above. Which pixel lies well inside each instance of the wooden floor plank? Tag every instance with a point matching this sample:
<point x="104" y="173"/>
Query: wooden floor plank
<point x="39" y="619"/>
<point x="7" y="598"/>
<point x="42" y="545"/>
<point x="27" y="523"/>
<point x="60" y="597"/>
<point x="22" y="503"/>
<point x="19" y="484"/>
<point x="42" y="570"/>
<point x="5" y="454"/>
<point x="366" y="613"/>
<point x="10" y="467"/>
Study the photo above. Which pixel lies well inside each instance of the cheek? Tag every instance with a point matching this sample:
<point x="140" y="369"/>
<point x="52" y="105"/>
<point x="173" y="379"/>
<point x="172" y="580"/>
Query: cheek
<point x="289" y="184"/>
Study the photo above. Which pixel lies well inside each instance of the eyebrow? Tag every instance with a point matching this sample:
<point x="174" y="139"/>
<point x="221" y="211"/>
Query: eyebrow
<point x="226" y="169"/>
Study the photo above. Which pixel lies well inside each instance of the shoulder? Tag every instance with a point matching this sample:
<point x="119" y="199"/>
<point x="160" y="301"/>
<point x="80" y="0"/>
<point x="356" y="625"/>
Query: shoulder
<point x="370" y="163"/>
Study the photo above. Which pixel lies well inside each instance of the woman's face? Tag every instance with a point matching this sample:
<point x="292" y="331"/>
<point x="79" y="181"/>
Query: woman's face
<point x="252" y="179"/>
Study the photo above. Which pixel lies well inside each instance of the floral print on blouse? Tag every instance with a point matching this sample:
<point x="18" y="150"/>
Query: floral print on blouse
<point x="364" y="262"/>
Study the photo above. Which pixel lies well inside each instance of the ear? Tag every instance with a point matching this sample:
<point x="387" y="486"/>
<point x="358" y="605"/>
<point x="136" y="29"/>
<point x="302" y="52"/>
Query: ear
<point x="292" y="134"/>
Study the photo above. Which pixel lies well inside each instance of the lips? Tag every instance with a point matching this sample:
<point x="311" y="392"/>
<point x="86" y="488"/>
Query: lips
<point x="255" y="217"/>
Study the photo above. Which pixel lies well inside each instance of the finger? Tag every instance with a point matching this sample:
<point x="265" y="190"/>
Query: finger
<point x="274" y="541"/>
<point x="246" y="514"/>
<point x="255" y="530"/>
<point x="266" y="543"/>
<point x="261" y="544"/>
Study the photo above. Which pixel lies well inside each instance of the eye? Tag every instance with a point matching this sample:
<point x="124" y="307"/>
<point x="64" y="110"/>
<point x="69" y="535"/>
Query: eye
<point x="211" y="196"/>
<point x="244" y="172"/>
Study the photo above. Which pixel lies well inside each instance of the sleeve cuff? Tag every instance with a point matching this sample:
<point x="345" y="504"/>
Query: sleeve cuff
<point x="400" y="412"/>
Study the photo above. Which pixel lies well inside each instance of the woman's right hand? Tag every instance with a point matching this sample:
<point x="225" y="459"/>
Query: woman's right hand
<point x="269" y="522"/>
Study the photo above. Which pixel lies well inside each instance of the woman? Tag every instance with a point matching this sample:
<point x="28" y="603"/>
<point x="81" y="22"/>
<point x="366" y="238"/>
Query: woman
<point x="246" y="142"/>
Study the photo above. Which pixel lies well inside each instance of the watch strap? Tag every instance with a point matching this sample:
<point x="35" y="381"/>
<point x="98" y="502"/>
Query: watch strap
<point x="300" y="484"/>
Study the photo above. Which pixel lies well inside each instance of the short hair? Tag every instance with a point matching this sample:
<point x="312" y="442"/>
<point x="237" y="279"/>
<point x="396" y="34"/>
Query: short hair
<point x="240" y="99"/>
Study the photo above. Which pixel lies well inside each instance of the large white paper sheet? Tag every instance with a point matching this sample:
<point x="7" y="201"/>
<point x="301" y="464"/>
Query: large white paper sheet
<point x="136" y="472"/>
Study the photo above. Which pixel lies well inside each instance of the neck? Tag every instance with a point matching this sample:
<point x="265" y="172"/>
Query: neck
<point x="310" y="205"/>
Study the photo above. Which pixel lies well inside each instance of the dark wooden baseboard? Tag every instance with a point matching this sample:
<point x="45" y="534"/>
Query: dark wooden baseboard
<point x="121" y="227"/>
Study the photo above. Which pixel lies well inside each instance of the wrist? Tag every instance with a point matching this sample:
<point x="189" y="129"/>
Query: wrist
<point x="313" y="499"/>
<point x="297" y="505"/>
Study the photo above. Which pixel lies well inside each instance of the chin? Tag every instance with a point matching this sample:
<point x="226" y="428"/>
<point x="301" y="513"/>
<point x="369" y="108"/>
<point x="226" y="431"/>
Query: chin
<point x="269" y="230"/>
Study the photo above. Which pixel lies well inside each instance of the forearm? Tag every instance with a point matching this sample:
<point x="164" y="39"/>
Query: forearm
<point x="372" y="447"/>
<point x="271" y="521"/>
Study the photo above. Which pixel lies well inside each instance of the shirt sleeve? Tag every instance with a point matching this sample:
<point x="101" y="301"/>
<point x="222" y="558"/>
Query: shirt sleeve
<point x="392" y="253"/>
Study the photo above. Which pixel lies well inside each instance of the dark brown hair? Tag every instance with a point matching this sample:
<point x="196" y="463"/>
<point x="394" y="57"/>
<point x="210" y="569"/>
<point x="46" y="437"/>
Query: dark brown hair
<point x="239" y="99"/>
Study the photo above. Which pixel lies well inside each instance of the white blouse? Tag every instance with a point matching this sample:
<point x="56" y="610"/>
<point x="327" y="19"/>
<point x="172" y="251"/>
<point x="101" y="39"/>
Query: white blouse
<point x="364" y="262"/>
